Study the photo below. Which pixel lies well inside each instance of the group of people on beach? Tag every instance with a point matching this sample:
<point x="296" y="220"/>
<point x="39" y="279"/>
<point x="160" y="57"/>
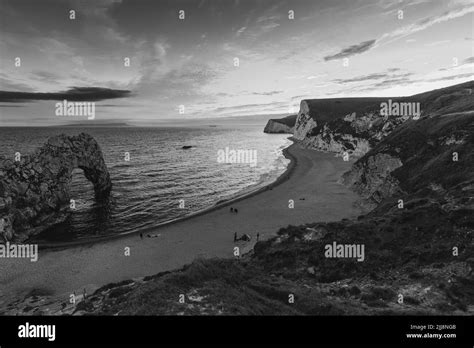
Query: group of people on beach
<point x="245" y="237"/>
<point x="149" y="235"/>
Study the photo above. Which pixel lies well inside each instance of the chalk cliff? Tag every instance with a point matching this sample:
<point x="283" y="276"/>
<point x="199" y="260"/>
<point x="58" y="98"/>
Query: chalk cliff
<point x="282" y="125"/>
<point x="356" y="125"/>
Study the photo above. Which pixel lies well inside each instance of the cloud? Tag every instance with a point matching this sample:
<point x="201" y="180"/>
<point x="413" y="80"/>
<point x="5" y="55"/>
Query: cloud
<point x="437" y="43"/>
<point x="249" y="107"/>
<point x="468" y="60"/>
<point x="352" y="50"/>
<point x="240" y="31"/>
<point x="397" y="81"/>
<point x="268" y="93"/>
<point x="15" y="85"/>
<point x="425" y="23"/>
<point x="452" y="77"/>
<point x="45" y="76"/>
<point x="375" y="76"/>
<point x="269" y="26"/>
<point x="73" y="94"/>
<point x="407" y="30"/>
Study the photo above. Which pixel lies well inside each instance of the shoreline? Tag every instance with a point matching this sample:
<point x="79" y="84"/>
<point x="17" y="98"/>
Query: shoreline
<point x="311" y="182"/>
<point x="219" y="204"/>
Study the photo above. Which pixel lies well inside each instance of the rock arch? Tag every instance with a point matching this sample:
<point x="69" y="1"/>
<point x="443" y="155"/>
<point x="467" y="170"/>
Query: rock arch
<point x="34" y="191"/>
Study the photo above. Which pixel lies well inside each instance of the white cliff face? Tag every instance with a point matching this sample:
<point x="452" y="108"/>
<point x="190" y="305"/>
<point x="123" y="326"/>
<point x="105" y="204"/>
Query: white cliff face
<point x="304" y="123"/>
<point x="277" y="127"/>
<point x="353" y="133"/>
<point x="327" y="141"/>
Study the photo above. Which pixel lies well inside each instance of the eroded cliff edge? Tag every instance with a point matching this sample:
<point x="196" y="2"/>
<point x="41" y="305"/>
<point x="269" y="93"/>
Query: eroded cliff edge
<point x="34" y="190"/>
<point x="281" y="125"/>
<point x="356" y="125"/>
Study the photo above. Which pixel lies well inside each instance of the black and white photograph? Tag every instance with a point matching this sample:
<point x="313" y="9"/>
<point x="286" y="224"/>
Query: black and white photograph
<point x="257" y="161"/>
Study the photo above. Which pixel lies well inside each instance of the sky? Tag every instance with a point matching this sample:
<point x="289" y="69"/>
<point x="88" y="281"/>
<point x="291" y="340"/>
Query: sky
<point x="224" y="58"/>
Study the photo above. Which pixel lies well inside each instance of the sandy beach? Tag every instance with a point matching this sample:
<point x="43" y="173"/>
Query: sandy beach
<point x="311" y="182"/>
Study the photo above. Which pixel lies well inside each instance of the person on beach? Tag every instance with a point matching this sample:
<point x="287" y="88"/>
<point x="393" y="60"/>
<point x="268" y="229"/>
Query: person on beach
<point x="245" y="237"/>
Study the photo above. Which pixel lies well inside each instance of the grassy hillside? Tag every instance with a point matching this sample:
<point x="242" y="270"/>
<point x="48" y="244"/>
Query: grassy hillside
<point x="288" y="120"/>
<point x="456" y="98"/>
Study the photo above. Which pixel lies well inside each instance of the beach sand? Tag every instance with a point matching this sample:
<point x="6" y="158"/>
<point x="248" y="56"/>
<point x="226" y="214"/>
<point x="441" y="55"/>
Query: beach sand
<point x="311" y="181"/>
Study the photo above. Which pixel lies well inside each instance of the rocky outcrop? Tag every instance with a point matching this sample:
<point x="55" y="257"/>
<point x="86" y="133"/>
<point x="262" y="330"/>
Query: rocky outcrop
<point x="356" y="125"/>
<point x="282" y="125"/>
<point x="355" y="132"/>
<point x="435" y="152"/>
<point x="34" y="191"/>
<point x="372" y="178"/>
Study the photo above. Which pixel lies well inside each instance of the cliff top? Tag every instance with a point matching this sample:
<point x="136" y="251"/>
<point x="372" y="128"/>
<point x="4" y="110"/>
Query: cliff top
<point x="457" y="98"/>
<point x="288" y="120"/>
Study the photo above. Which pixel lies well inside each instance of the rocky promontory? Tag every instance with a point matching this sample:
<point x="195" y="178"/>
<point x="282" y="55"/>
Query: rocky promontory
<point x="34" y="189"/>
<point x="281" y="125"/>
<point x="356" y="125"/>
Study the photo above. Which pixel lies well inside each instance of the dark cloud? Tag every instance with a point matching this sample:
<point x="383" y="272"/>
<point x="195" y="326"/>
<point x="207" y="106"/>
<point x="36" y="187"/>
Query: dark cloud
<point x="468" y="60"/>
<point x="352" y="50"/>
<point x="73" y="94"/>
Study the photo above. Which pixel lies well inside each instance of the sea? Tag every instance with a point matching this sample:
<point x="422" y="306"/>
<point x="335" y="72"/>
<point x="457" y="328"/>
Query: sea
<point x="158" y="180"/>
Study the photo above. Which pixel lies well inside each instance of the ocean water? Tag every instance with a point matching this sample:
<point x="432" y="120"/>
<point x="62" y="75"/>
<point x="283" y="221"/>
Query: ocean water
<point x="147" y="190"/>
